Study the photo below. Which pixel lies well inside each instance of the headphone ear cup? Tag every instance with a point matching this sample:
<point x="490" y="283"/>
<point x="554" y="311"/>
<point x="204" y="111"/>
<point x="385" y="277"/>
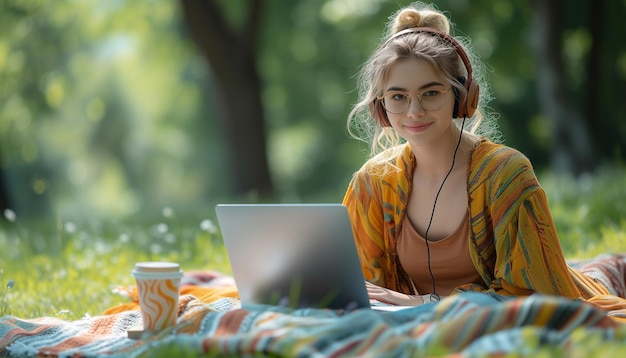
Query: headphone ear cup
<point x="378" y="113"/>
<point x="473" y="93"/>
<point x="465" y="104"/>
<point x="457" y="99"/>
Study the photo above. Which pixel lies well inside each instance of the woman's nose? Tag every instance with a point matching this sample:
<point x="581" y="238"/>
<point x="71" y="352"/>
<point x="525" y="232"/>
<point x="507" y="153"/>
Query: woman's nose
<point x="415" y="108"/>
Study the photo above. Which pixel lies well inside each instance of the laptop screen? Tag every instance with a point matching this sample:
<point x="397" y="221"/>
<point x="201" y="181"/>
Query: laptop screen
<point x="296" y="255"/>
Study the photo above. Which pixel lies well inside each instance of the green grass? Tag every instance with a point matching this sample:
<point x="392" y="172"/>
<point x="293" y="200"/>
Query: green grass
<point x="589" y="212"/>
<point x="69" y="269"/>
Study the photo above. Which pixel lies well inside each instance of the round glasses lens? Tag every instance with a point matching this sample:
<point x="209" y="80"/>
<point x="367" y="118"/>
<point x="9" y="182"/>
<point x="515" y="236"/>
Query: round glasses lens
<point x="432" y="100"/>
<point x="399" y="102"/>
<point x="396" y="102"/>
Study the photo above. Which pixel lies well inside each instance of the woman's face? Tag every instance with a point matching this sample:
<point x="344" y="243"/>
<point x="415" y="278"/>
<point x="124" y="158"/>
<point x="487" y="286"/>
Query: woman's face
<point x="409" y="80"/>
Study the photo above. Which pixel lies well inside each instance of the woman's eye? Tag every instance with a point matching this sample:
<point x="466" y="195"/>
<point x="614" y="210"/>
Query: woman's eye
<point x="431" y="93"/>
<point x="399" y="97"/>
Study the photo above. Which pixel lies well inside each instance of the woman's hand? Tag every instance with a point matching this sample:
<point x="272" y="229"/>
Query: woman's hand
<point x="392" y="297"/>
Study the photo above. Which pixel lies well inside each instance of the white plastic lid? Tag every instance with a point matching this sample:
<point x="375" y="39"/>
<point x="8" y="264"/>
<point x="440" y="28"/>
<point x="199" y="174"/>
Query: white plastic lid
<point x="157" y="269"/>
<point x="155" y="266"/>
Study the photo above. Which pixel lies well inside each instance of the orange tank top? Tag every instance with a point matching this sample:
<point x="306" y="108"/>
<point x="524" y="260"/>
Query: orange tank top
<point x="450" y="259"/>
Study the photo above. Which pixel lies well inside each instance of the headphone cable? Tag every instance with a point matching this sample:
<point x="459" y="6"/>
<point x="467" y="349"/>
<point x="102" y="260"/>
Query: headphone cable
<point x="434" y="297"/>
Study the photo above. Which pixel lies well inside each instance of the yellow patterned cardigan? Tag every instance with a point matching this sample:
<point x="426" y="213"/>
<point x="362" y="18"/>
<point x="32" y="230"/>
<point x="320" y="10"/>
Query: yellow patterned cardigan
<point x="514" y="243"/>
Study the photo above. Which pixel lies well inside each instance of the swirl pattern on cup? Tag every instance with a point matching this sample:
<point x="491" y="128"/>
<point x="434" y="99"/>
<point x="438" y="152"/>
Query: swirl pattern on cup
<point x="158" y="299"/>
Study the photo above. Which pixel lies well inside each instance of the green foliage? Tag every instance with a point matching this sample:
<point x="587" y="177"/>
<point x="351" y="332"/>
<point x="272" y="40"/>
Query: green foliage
<point x="98" y="108"/>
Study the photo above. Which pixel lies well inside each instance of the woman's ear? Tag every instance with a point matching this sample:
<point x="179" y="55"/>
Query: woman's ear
<point x="378" y="113"/>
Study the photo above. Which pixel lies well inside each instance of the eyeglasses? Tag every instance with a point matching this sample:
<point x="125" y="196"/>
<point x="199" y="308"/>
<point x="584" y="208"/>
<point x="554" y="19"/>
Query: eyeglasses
<point x="398" y="102"/>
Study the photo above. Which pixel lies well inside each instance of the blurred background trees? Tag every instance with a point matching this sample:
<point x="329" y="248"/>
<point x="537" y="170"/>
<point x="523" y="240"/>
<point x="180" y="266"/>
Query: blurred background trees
<point x="118" y="108"/>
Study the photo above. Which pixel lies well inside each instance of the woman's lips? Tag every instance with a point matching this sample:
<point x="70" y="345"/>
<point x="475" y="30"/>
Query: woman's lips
<point x="418" y="127"/>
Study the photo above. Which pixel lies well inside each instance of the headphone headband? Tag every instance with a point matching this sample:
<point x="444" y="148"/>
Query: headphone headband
<point x="465" y="104"/>
<point x="444" y="36"/>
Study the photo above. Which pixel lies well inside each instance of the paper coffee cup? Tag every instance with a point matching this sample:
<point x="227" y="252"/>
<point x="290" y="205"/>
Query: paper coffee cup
<point x="158" y="286"/>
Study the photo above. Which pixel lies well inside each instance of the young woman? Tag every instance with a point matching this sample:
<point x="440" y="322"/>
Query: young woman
<point x="440" y="208"/>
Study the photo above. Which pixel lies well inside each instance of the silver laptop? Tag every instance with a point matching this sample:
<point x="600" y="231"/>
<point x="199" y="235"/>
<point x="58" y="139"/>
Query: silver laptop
<point x="295" y="255"/>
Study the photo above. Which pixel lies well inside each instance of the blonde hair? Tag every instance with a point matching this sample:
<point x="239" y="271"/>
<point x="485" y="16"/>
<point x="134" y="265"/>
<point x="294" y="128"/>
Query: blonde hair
<point x="384" y="142"/>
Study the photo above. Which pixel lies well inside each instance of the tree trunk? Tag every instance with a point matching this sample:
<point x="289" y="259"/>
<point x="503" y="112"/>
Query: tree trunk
<point x="594" y="74"/>
<point x="231" y="55"/>
<point x="571" y="147"/>
<point x="4" y="194"/>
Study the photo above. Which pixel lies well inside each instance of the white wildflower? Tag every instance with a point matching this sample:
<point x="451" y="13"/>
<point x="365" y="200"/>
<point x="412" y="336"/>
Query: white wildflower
<point x="162" y="228"/>
<point x="10" y="215"/>
<point x="167" y="212"/>
<point x="208" y="226"/>
<point x="124" y="238"/>
<point x="70" y="227"/>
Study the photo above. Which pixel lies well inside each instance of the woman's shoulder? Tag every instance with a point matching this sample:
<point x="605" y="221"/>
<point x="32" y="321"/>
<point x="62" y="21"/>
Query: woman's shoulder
<point x="489" y="154"/>
<point x="390" y="162"/>
<point x="498" y="163"/>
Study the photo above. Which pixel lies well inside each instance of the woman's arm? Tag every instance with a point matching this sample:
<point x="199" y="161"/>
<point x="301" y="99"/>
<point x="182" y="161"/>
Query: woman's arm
<point x="528" y="254"/>
<point x="396" y="298"/>
<point x="365" y="211"/>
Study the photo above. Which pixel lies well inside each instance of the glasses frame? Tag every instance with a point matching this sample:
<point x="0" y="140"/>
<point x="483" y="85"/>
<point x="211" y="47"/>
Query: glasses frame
<point x="419" y="100"/>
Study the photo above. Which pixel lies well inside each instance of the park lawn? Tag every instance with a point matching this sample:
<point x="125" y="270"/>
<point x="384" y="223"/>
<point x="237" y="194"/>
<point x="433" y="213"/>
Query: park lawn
<point x="69" y="269"/>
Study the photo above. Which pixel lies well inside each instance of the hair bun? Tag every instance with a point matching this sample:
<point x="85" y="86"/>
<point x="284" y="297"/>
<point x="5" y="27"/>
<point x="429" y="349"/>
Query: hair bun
<point x="408" y="18"/>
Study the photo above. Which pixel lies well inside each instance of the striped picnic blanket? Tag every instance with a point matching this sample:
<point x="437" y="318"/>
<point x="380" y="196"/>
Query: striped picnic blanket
<point x="467" y="324"/>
